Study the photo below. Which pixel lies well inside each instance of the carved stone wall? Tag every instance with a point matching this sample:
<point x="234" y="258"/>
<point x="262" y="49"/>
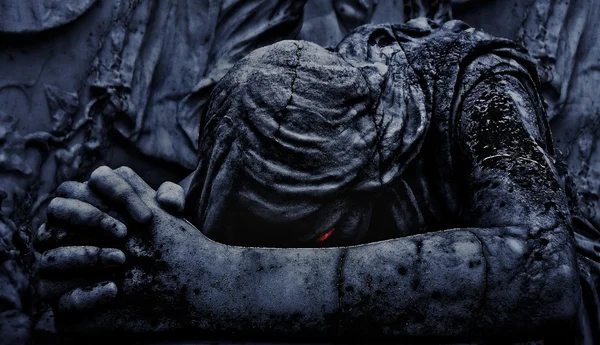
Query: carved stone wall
<point x="123" y="82"/>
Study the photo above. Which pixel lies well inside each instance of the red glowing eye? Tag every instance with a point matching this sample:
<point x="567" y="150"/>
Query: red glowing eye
<point x="325" y="236"/>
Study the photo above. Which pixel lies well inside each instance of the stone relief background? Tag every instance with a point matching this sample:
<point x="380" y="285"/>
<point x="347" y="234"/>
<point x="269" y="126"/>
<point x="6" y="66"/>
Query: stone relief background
<point x="123" y="82"/>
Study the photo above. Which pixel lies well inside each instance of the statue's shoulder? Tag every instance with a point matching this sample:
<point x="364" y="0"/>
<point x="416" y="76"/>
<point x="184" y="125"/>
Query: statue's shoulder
<point x="433" y="48"/>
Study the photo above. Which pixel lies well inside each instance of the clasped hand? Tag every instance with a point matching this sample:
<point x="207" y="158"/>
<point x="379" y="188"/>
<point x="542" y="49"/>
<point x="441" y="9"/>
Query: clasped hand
<point x="110" y="241"/>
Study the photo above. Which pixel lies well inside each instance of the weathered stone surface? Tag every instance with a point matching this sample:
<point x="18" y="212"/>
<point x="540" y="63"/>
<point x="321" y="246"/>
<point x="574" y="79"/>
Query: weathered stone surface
<point x="569" y="52"/>
<point x="272" y="174"/>
<point x="162" y="100"/>
<point x="436" y="267"/>
<point x="43" y="129"/>
<point x="30" y="16"/>
<point x="44" y="88"/>
<point x="15" y="294"/>
<point x="327" y="22"/>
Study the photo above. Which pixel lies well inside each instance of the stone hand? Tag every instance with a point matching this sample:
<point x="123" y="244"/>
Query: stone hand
<point x="90" y="256"/>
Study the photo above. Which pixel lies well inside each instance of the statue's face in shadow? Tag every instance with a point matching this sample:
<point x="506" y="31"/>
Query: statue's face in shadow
<point x="340" y="222"/>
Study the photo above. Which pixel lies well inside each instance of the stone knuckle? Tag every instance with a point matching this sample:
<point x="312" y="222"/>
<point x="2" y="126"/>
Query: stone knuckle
<point x="123" y="192"/>
<point x="56" y="204"/>
<point x="100" y="175"/>
<point x="68" y="188"/>
<point x="125" y="170"/>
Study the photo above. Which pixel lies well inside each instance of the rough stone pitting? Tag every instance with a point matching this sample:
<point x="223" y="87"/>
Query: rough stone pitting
<point x="340" y="289"/>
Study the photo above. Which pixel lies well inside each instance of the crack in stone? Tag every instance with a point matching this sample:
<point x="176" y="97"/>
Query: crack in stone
<point x="373" y="115"/>
<point x="483" y="300"/>
<point x="119" y="18"/>
<point x="379" y="147"/>
<point x="292" y="89"/>
<point x="339" y="283"/>
<point x="416" y="280"/>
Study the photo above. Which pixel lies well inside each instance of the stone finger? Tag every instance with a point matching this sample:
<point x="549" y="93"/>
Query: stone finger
<point x="47" y="237"/>
<point x="79" y="257"/>
<point x="82" y="192"/>
<point x="171" y="197"/>
<point x="113" y="187"/>
<point x="49" y="290"/>
<point x="92" y="296"/>
<point x="44" y="235"/>
<point x="138" y="184"/>
<point x="84" y="215"/>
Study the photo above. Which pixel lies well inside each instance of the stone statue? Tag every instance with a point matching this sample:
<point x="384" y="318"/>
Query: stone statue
<point x="402" y="184"/>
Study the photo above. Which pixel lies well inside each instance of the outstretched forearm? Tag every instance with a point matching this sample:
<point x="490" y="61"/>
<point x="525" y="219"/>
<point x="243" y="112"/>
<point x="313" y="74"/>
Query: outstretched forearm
<point x="513" y="271"/>
<point x="460" y="282"/>
<point x="456" y="283"/>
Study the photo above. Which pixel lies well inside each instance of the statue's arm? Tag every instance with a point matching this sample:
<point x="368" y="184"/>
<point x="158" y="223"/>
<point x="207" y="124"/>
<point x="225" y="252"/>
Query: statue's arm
<point x="456" y="283"/>
<point x="513" y="271"/>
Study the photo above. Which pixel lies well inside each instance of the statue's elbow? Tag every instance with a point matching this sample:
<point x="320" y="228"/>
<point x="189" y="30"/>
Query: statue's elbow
<point x="552" y="277"/>
<point x="543" y="296"/>
<point x="553" y="289"/>
<point x="547" y="303"/>
<point x="561" y="292"/>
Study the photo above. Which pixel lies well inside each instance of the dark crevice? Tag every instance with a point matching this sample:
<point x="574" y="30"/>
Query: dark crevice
<point x="374" y="113"/>
<point x="339" y="284"/>
<point x="281" y="113"/>
<point x="482" y="303"/>
<point x="104" y="37"/>
<point x="416" y="279"/>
